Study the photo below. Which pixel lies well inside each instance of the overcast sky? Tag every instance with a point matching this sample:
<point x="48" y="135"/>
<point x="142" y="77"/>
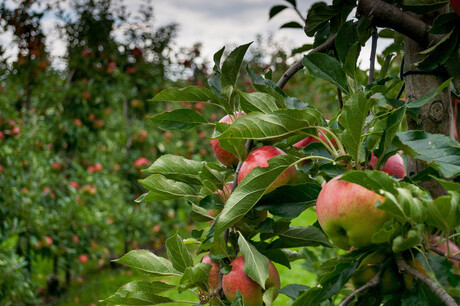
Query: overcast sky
<point x="214" y="23"/>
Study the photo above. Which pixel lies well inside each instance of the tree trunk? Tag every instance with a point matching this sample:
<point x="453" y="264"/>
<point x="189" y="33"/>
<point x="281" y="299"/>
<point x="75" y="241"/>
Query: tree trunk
<point x="436" y="116"/>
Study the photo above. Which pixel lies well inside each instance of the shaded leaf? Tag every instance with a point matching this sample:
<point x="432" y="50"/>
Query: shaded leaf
<point x="177" y="168"/>
<point x="257" y="102"/>
<point x="275" y="10"/>
<point x="439" y="151"/>
<point x="232" y="64"/>
<point x="299" y="236"/>
<point x="327" y="68"/>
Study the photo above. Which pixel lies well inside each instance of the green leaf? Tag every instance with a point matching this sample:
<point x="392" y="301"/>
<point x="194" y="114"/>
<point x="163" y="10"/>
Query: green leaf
<point x="178" y="253"/>
<point x="444" y="212"/>
<point x="318" y="15"/>
<point x="290" y="201"/>
<point x="404" y="206"/>
<point x="148" y="262"/>
<point x="449" y="185"/>
<point x="199" y="214"/>
<point x="422" y="6"/>
<point x="439" y="53"/>
<point x="232" y="64"/>
<point x="255" y="264"/>
<point x="293" y="290"/>
<point x="298" y="236"/>
<point x="392" y="125"/>
<point x="372" y="180"/>
<point x="423" y="100"/>
<point x="269" y="296"/>
<point x="217" y="57"/>
<point x="215" y="85"/>
<point x="178" y="119"/>
<point x="177" y="168"/>
<point x="326" y="67"/>
<point x="160" y="188"/>
<point x="293" y="2"/>
<point x="257" y="102"/>
<point x="280" y="123"/>
<point x="141" y="293"/>
<point x="238" y="301"/>
<point x="189" y="94"/>
<point x="439" y="151"/>
<point x="334" y="274"/>
<point x="212" y="177"/>
<point x="196" y="276"/>
<point x="301" y="49"/>
<point x="352" y="118"/>
<point x="291" y="25"/>
<point x="351" y="59"/>
<point x="267" y="86"/>
<point x="275" y="10"/>
<point x="250" y="190"/>
<point x="346" y="38"/>
<point x="411" y="239"/>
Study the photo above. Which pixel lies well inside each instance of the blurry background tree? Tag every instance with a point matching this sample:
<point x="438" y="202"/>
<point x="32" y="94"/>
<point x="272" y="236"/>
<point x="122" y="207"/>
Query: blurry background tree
<point x="74" y="137"/>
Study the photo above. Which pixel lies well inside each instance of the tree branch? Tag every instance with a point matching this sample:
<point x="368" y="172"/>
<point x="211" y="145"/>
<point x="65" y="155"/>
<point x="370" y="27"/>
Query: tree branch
<point x="442" y="253"/>
<point x="327" y="45"/>
<point x="374" y="281"/>
<point x="440" y="292"/>
<point x="373" y="54"/>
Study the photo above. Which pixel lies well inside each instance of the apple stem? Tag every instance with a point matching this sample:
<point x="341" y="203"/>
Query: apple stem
<point x="440" y="292"/>
<point x="373" y="282"/>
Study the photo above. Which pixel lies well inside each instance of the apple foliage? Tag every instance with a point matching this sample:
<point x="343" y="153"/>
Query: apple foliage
<point x="370" y="121"/>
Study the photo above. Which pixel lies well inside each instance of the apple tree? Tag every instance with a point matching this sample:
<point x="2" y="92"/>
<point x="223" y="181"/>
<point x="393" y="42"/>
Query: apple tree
<point x="397" y="224"/>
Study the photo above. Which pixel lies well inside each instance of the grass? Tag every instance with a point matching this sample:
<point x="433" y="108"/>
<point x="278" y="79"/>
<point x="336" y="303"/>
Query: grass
<point x="100" y="284"/>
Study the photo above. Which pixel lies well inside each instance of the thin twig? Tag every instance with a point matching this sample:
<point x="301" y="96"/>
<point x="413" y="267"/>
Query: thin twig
<point x="442" y="253"/>
<point x="327" y="45"/>
<point x="373" y="282"/>
<point x="440" y="292"/>
<point x="373" y="54"/>
<point x="339" y="98"/>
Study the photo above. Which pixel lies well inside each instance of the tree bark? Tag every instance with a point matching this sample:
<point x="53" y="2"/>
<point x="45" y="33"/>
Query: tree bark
<point x="436" y="115"/>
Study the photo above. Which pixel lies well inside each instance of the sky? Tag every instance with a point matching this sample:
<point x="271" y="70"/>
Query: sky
<point x="214" y="23"/>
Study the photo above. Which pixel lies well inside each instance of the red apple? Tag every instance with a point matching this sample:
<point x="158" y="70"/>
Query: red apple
<point x="259" y="158"/>
<point x="56" y="166"/>
<point x="306" y="141"/>
<point x="393" y="166"/>
<point x="225" y="157"/>
<point x="455" y="6"/>
<point x="83" y="258"/>
<point x="251" y="291"/>
<point x="347" y="213"/>
<point x="48" y="241"/>
<point x="213" y="280"/>
<point x="453" y="248"/>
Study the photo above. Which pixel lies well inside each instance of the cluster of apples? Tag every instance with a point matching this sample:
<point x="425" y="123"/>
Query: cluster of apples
<point x="345" y="211"/>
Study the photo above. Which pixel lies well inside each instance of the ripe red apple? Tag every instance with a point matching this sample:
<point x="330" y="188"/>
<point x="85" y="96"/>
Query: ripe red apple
<point x="225" y="157"/>
<point x="259" y="158"/>
<point x="455" y="6"/>
<point x="213" y="280"/>
<point x="393" y="166"/>
<point x="251" y="291"/>
<point x="306" y="141"/>
<point x="56" y="166"/>
<point x="453" y="248"/>
<point x="347" y="213"/>
<point x="83" y="258"/>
